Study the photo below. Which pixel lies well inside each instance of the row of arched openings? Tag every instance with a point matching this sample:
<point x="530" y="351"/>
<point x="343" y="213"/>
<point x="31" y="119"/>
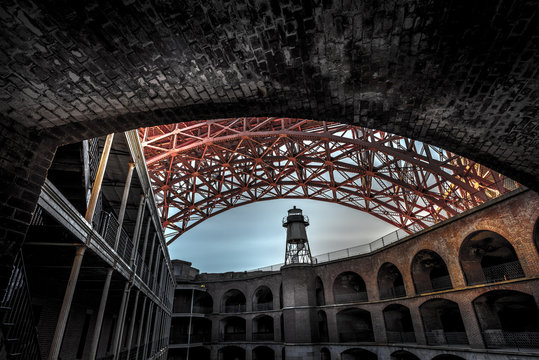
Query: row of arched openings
<point x="485" y="257"/>
<point x="266" y="353"/>
<point x="507" y="318"/>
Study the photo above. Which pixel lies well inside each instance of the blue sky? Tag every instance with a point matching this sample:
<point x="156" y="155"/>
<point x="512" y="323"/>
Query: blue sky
<point x="251" y="236"/>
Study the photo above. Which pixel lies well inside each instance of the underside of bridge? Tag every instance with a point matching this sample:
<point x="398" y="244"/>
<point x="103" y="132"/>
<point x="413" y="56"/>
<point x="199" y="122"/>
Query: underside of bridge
<point x="201" y="169"/>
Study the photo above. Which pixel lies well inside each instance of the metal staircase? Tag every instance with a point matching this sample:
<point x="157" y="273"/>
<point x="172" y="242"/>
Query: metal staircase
<point x="16" y="318"/>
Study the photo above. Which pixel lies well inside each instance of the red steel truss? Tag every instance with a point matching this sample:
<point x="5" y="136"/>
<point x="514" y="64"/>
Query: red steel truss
<point x="200" y="169"/>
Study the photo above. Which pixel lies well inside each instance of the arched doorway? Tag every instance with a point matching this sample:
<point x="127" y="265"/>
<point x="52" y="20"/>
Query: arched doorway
<point x="320" y="295"/>
<point x="263" y="328"/>
<point x="263" y="299"/>
<point x="354" y="325"/>
<point x="390" y="283"/>
<point x="233" y="301"/>
<point x="442" y="322"/>
<point x="323" y="333"/>
<point x="486" y="257"/>
<point x="232" y="329"/>
<point x="398" y="322"/>
<point x="429" y="272"/>
<point x="508" y="319"/>
<point x="349" y="287"/>
<point x="325" y="354"/>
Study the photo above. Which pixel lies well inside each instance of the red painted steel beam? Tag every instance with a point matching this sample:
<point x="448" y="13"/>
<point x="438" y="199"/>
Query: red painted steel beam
<point x="201" y="169"/>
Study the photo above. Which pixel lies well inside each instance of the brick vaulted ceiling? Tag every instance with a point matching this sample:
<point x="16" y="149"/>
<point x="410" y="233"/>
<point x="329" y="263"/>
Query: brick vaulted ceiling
<point x="462" y="75"/>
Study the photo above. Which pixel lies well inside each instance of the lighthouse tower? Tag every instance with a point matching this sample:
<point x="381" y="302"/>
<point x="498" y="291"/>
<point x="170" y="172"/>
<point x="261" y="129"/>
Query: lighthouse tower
<point x="297" y="246"/>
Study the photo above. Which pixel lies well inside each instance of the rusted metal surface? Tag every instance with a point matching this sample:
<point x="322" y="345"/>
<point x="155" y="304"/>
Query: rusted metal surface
<point x="200" y="169"/>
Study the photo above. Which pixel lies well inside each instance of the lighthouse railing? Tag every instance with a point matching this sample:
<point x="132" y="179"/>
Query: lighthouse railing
<point x="375" y="245"/>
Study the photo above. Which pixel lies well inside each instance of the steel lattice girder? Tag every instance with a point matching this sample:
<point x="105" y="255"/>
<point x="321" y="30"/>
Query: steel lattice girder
<point x="200" y="169"/>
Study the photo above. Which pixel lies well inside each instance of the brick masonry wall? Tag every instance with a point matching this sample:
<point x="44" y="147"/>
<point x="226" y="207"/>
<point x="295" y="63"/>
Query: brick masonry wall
<point x="514" y="218"/>
<point x="459" y="75"/>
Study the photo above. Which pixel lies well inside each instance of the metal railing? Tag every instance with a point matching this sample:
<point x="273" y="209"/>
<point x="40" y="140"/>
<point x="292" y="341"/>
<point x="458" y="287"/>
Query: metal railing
<point x="198" y="309"/>
<point x="263" y="306"/>
<point x="17" y="319"/>
<point x="108" y="228"/>
<point x="236" y="308"/>
<point x="440" y="337"/>
<point x="400" y="336"/>
<point x="502" y="272"/>
<point x="435" y="284"/>
<point x="356" y="336"/>
<point x="263" y="336"/>
<point x="359" y="296"/>
<point x="392" y="293"/>
<point x="511" y="339"/>
<point x="348" y="252"/>
<point x="233" y="336"/>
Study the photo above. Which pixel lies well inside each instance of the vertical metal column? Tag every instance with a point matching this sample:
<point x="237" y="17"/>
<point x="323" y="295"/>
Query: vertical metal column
<point x="120" y="323"/>
<point x="123" y="205"/>
<point x="141" y="325"/>
<point x="132" y="325"/>
<point x="147" y="332"/>
<point x="190" y="322"/>
<point x="66" y="305"/>
<point x="99" y="179"/>
<point x="138" y="228"/>
<point x="100" y="314"/>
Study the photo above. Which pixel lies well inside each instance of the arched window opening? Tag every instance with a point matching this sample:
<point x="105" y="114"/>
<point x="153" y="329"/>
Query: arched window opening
<point x="325" y="354"/>
<point x="508" y="319"/>
<point x="233" y="329"/>
<point x="263" y="328"/>
<point x="403" y="355"/>
<point x="233" y="301"/>
<point x="320" y="296"/>
<point x="486" y="257"/>
<point x="354" y="325"/>
<point x="263" y="299"/>
<point x="358" y="354"/>
<point x="349" y="287"/>
<point x="263" y="353"/>
<point x="390" y="283"/>
<point x="429" y="272"/>
<point x="323" y="333"/>
<point x="231" y="353"/>
<point x="399" y="327"/>
<point x="202" y="303"/>
<point x="442" y="322"/>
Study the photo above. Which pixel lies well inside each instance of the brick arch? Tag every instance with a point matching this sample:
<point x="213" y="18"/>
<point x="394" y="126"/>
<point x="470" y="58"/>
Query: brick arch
<point x="286" y="77"/>
<point x="472" y="266"/>
<point x="290" y="66"/>
<point x="424" y="250"/>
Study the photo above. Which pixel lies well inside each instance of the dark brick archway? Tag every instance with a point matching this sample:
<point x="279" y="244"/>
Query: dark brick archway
<point x="460" y="75"/>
